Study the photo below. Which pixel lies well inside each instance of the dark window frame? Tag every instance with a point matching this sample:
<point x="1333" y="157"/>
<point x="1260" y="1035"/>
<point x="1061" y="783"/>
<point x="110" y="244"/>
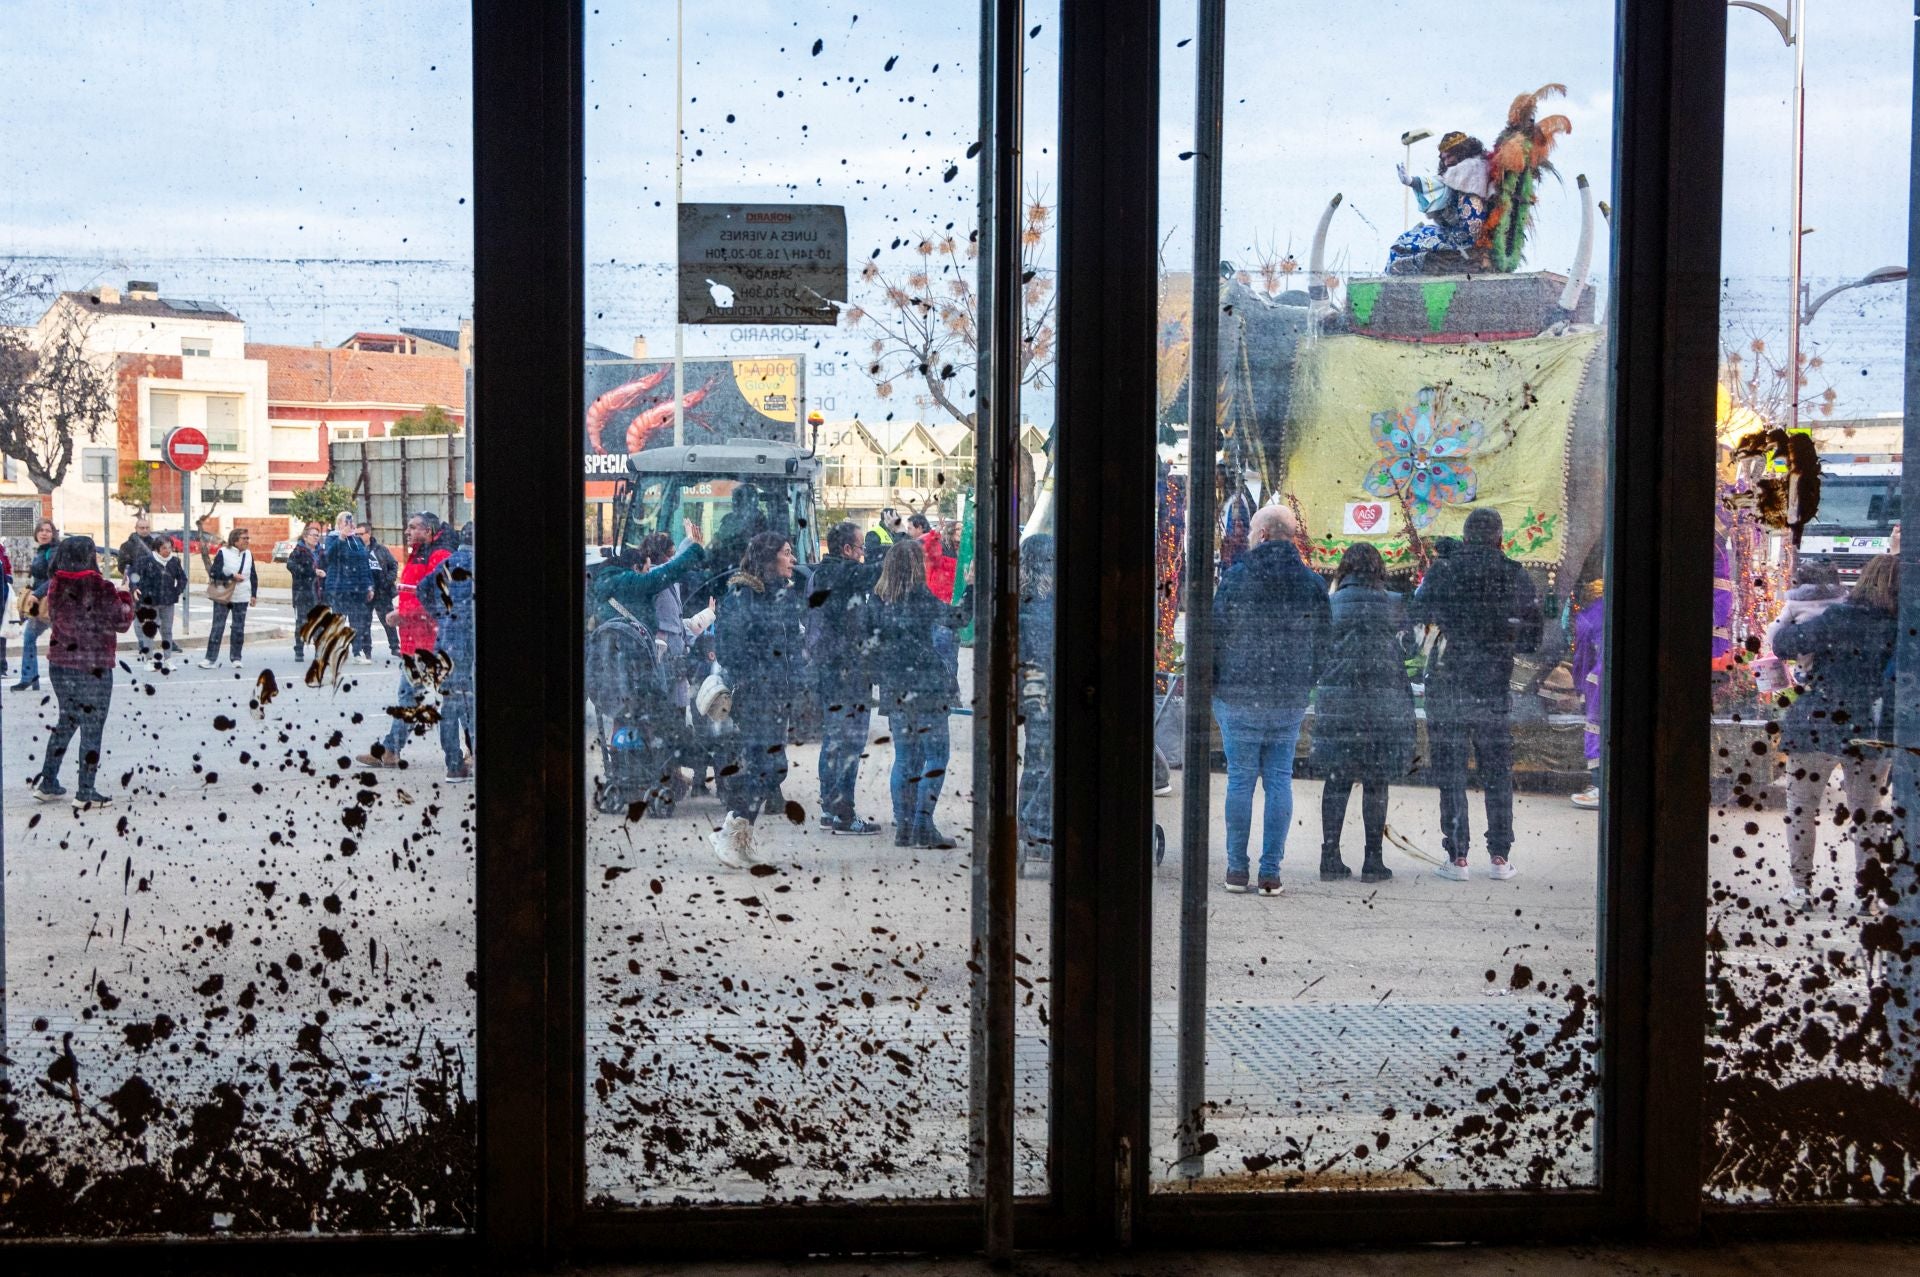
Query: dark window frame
<point x="531" y="875"/>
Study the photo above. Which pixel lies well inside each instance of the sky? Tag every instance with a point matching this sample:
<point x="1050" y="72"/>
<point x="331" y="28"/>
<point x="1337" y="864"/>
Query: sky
<point x="327" y="129"/>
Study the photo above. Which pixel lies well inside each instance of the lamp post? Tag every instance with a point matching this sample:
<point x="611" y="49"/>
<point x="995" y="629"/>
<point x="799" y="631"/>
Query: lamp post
<point x="1407" y="140"/>
<point x="1792" y="27"/>
<point x="1810" y="308"/>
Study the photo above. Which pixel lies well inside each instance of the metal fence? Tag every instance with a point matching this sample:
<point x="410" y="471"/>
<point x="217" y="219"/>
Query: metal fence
<point x="395" y="477"/>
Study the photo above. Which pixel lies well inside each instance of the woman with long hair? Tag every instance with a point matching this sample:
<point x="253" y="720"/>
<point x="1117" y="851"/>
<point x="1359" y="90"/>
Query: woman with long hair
<point x="88" y="611"/>
<point x="46" y="539"/>
<point x="1845" y="659"/>
<point x="917" y="689"/>
<point x="1363" y="719"/>
<point x="231" y="570"/>
<point x="757" y="629"/>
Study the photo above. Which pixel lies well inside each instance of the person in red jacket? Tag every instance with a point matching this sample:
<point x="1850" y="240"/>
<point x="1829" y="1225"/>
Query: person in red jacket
<point x="88" y="612"/>
<point x="941" y="568"/>
<point x="418" y="634"/>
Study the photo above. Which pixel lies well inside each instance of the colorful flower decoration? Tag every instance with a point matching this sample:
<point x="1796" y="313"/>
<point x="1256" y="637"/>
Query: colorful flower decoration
<point x="1424" y="456"/>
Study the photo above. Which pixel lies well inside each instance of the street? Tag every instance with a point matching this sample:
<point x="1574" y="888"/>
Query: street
<point x="258" y="909"/>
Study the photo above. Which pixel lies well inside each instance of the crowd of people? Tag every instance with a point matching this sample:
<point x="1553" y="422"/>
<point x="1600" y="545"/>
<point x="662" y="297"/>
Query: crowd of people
<point x="1280" y="635"/>
<point x="67" y="602"/>
<point x="870" y="629"/>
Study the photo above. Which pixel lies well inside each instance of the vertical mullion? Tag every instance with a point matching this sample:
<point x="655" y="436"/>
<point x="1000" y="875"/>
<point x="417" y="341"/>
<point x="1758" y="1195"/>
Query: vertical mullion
<point x="1203" y="435"/>
<point x="1665" y="301"/>
<point x="996" y="553"/>
<point x="528" y="325"/>
<point x="1109" y="134"/>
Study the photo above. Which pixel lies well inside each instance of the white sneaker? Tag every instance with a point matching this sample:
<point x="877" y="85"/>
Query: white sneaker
<point x="1453" y="870"/>
<point x="1587" y="799"/>
<point x="209" y="665"/>
<point x="1800" y="900"/>
<point x="1501" y="870"/>
<point x="732" y="842"/>
<point x="237" y="662"/>
<point x="363" y="660"/>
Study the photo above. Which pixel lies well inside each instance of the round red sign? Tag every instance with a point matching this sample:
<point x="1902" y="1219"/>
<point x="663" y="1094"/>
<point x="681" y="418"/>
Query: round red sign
<point x="185" y="448"/>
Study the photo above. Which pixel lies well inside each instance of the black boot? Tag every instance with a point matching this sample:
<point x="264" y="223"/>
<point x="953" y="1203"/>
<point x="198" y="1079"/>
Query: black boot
<point x="1374" y="867"/>
<point x="1332" y="868"/>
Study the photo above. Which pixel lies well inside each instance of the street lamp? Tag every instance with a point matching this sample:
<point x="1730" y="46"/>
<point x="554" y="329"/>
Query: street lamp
<point x="1792" y="27"/>
<point x="1407" y="140"/>
<point x="1885" y="275"/>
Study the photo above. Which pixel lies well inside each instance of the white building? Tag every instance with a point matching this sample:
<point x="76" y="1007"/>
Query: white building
<point x="176" y="362"/>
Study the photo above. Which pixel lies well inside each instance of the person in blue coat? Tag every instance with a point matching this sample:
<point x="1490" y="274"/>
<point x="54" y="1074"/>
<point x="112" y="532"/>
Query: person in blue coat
<point x="349" y="583"/>
<point x="1270" y="619"/>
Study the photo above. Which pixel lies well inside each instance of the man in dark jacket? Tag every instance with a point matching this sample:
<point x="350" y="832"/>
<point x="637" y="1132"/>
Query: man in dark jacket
<point x="386" y="579"/>
<point x="349" y="583"/>
<point x="1270" y="620"/>
<point x="447" y="597"/>
<point x="136" y="555"/>
<point x="1486" y="609"/>
<point x="839" y="622"/>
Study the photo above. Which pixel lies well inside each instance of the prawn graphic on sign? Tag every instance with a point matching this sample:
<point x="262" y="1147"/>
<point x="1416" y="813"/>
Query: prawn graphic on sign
<point x="1424" y="454"/>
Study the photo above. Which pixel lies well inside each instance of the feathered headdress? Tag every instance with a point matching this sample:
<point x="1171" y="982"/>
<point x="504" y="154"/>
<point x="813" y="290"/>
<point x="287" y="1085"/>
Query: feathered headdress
<point x="1520" y="154"/>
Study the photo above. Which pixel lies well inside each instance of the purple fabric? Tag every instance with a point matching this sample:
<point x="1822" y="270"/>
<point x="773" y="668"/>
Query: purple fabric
<point x="1589" y="639"/>
<point x="1722" y="602"/>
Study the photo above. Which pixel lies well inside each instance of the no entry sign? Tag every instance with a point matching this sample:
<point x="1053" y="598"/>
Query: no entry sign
<point x="185" y="449"/>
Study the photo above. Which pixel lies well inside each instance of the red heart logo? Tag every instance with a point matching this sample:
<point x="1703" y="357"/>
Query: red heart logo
<point x="1365" y="516"/>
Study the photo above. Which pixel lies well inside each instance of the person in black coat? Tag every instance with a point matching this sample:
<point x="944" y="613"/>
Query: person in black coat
<point x="757" y="630"/>
<point x="161" y="585"/>
<point x="1269" y="637"/>
<point x="303" y="566"/>
<point x="839" y="638"/>
<point x="1363" y="719"/>
<point x="918" y="691"/>
<point x="1036" y="695"/>
<point x="1846" y="660"/>
<point x="386" y="583"/>
<point x="1486" y="609"/>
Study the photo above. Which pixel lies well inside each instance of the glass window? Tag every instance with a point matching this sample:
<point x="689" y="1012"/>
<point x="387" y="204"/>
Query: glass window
<point x="1813" y="1051"/>
<point x="223" y="424"/>
<point x="784" y="860"/>
<point x="163" y="415"/>
<point x="1383" y="458"/>
<point x="238" y="927"/>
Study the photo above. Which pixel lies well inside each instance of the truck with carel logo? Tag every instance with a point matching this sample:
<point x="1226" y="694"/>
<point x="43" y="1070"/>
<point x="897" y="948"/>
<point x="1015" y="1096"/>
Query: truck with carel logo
<point x="1859" y="509"/>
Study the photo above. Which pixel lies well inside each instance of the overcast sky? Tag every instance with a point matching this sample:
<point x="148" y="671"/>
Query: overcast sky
<point x="338" y="128"/>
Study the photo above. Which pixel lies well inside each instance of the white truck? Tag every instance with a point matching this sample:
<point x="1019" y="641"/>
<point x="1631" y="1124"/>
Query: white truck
<point x="1860" y="479"/>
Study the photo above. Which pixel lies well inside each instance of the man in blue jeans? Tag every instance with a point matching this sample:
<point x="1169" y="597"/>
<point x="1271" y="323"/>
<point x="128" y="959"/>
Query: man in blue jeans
<point x="1270" y="623"/>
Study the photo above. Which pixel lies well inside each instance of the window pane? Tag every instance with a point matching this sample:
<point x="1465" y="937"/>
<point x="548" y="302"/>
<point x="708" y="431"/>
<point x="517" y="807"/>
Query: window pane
<point x="782" y="929"/>
<point x="1401" y="623"/>
<point x="238" y="933"/>
<point x="1812" y="1046"/>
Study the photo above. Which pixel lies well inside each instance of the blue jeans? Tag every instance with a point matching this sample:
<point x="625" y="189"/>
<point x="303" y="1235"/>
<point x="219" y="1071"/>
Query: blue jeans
<point x="844" y="717"/>
<point x="30" y="654"/>
<point x="1260" y="745"/>
<point x="921" y="745"/>
<point x="449" y="725"/>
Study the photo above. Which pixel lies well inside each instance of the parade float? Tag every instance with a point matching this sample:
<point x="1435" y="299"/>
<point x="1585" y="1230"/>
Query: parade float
<point x="1386" y="407"/>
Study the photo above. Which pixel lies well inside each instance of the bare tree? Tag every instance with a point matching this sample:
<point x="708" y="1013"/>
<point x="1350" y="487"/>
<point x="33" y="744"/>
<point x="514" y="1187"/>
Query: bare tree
<point x="925" y="321"/>
<point x="53" y="389"/>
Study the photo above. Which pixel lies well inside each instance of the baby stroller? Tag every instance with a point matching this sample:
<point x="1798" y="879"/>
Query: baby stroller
<point x="633" y="717"/>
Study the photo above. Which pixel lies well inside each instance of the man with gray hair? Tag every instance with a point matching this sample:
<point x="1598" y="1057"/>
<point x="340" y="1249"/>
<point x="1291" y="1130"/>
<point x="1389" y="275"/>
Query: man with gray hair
<point x="1270" y="622"/>
<point x="349" y="583"/>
